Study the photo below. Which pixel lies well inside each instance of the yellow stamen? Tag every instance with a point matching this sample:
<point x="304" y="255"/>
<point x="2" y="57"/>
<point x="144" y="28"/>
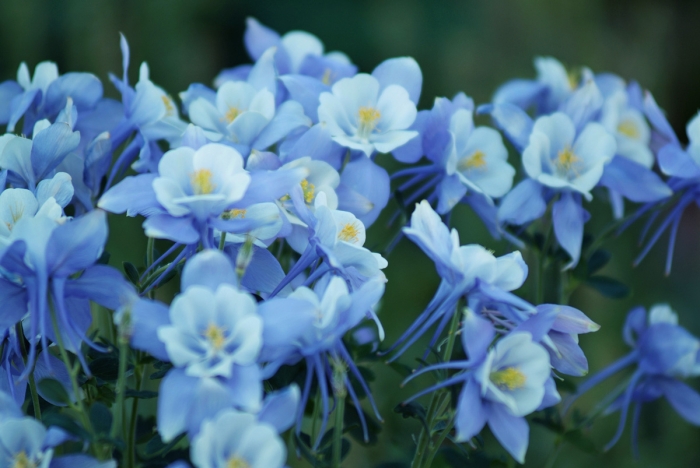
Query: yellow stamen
<point x="21" y="460"/>
<point x="475" y="161"/>
<point x="215" y="335"/>
<point x="238" y="213"/>
<point x="509" y="378"/>
<point x="231" y="114"/>
<point x="201" y="182"/>
<point x="326" y="79"/>
<point x="628" y="129"/>
<point x="237" y="462"/>
<point x="566" y="159"/>
<point x="574" y="78"/>
<point x="349" y="233"/>
<point x="169" y="107"/>
<point x="309" y="190"/>
<point x="368" y="117"/>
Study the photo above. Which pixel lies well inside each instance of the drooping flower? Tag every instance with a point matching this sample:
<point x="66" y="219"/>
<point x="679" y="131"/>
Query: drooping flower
<point x="664" y="353"/>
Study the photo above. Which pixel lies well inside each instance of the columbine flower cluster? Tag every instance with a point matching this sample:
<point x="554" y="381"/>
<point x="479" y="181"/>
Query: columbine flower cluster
<point x="262" y="199"/>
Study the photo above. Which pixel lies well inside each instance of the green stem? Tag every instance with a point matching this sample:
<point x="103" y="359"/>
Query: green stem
<point x="131" y="440"/>
<point x="121" y="387"/>
<point x="222" y="241"/>
<point x="436" y="406"/>
<point x="338" y="429"/>
<point x="438" y="443"/>
<point x="73" y="374"/>
<point x="32" y="383"/>
<point x="553" y="456"/>
<point x="540" y="279"/>
<point x="314" y="416"/>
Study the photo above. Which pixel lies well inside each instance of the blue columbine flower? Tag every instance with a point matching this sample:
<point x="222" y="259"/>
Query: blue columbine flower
<point x="212" y="335"/>
<point x="236" y="439"/>
<point x="364" y="114"/>
<point x="664" y="353"/>
<point x="463" y="269"/>
<point x="501" y="385"/>
<point x="309" y="325"/>
<point x="25" y="442"/>
<point x="45" y="94"/>
<point x="468" y="164"/>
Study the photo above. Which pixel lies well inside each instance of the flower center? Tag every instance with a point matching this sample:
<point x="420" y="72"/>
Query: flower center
<point x="201" y="182"/>
<point x="349" y="233"/>
<point x="509" y="378"/>
<point x="237" y="462"/>
<point x="231" y="114"/>
<point x="326" y="78"/>
<point x="629" y="129"/>
<point x="21" y="460"/>
<point x="169" y="107"/>
<point x="566" y="159"/>
<point x="368" y="117"/>
<point x="475" y="161"/>
<point x="309" y="190"/>
<point x="216" y="336"/>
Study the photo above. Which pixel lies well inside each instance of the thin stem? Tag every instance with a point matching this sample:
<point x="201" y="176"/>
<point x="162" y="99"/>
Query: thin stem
<point x="541" y="266"/>
<point x="72" y="372"/>
<point x="338" y="429"/>
<point x="222" y="241"/>
<point x="121" y="385"/>
<point x="131" y="440"/>
<point x="314" y="416"/>
<point x="32" y="381"/>
<point x="437" y="400"/>
<point x="438" y="443"/>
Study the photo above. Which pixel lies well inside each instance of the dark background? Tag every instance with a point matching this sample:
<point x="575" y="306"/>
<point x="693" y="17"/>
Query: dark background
<point x="460" y="46"/>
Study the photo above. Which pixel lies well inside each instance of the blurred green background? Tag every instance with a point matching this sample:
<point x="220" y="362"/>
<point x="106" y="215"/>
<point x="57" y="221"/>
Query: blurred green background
<point x="461" y="46"/>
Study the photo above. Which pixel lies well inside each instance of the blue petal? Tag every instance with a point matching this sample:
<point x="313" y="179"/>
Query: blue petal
<point x="634" y="181"/>
<point x="102" y="284"/>
<point x="14" y="303"/>
<point x="264" y="272"/>
<point x="84" y="88"/>
<point x="512" y="120"/>
<point x="51" y="146"/>
<point x="164" y="226"/>
<point x="209" y="268"/>
<point x="471" y="414"/>
<point x="522" y="93"/>
<point x="635" y="324"/>
<point x="539" y="324"/>
<point x="477" y="335"/>
<point x="79" y="460"/>
<point x="146" y="318"/>
<point x="684" y="400"/>
<point x="523" y="204"/>
<point x="77" y="244"/>
<point x="402" y="71"/>
<point x="316" y="143"/>
<point x="511" y="431"/>
<point x="133" y="195"/>
<point x="568" y="217"/>
<point x="177" y="395"/>
<point x="364" y="177"/>
<point x="412" y="151"/>
<point x="675" y="162"/>
<point x="289" y="116"/>
<point x="20" y="104"/>
<point x="279" y="408"/>
<point x="569" y="358"/>
<point x="8" y="90"/>
<point x="305" y="90"/>
<point x="658" y="119"/>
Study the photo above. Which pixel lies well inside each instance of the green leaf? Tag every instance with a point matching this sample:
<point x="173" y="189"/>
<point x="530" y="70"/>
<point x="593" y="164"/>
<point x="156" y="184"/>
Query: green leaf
<point x="131" y="272"/>
<point x="53" y="390"/>
<point x="580" y="441"/>
<point x="105" y="368"/>
<point x="66" y="423"/>
<point x="104" y="258"/>
<point x="163" y="368"/>
<point x="609" y="287"/>
<point x="598" y="260"/>
<point x="100" y="418"/>
<point x="141" y="394"/>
